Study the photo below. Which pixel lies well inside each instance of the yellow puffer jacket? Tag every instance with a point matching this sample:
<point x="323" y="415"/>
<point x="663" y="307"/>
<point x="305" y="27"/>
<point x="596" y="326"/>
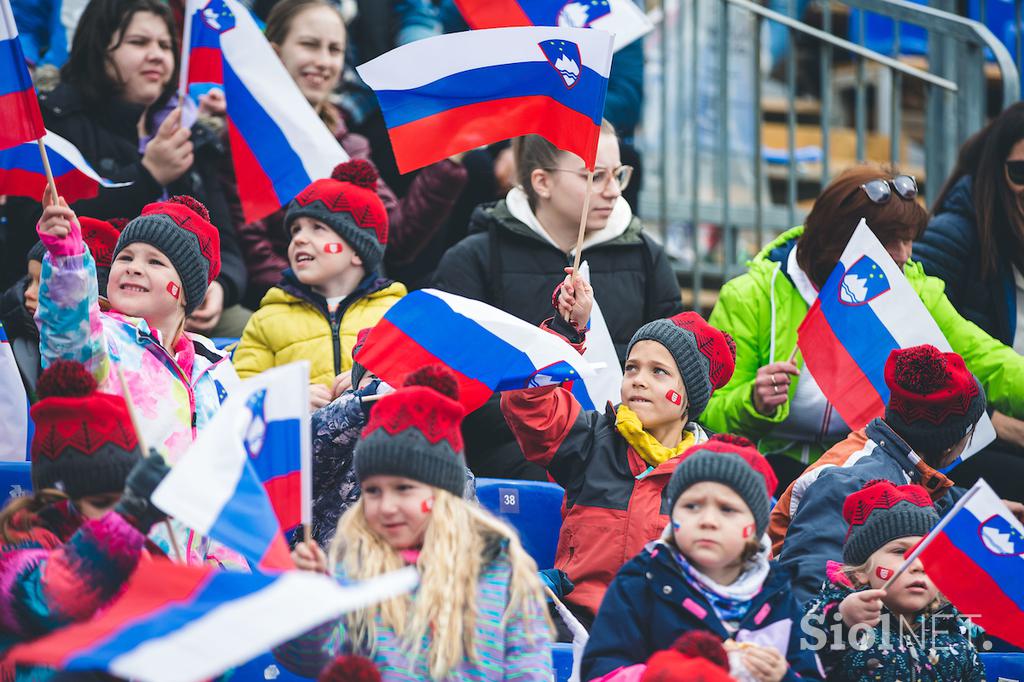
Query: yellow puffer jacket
<point x="293" y="324"/>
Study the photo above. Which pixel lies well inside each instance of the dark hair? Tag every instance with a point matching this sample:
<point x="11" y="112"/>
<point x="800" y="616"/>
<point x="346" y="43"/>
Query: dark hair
<point x="86" y="67"/>
<point x="532" y="152"/>
<point x="838" y="210"/>
<point x="997" y="215"/>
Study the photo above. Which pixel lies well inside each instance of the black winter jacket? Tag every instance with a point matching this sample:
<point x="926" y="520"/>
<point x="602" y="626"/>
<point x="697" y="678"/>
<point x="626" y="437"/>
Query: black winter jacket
<point x="949" y="250"/>
<point x="108" y="139"/>
<point x="22" y="333"/>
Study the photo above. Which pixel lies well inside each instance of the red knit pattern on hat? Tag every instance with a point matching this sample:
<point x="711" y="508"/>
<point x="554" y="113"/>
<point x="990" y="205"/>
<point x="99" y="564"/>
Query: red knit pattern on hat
<point x="350" y="668"/>
<point x="101" y="236"/>
<point x="881" y="494"/>
<point x="927" y="384"/>
<point x="189" y="214"/>
<point x="350" y="194"/>
<point x="436" y="416"/>
<point x="716" y="345"/>
<point x="726" y="442"/>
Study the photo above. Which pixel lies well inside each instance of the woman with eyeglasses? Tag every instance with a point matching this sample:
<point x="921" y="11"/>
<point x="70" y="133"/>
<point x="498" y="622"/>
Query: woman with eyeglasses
<point x="777" y="402"/>
<point x="975" y="242"/>
<point x="517" y="251"/>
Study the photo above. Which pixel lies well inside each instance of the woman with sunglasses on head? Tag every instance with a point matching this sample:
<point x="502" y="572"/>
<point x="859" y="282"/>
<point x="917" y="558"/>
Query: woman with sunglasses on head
<point x="975" y="244"/>
<point x="777" y="402"/>
<point x="517" y="252"/>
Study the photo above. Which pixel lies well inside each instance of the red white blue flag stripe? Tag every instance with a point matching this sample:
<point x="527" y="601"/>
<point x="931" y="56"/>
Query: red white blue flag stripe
<point x="183" y="624"/>
<point x="19" y="108"/>
<point x="487" y="349"/>
<point x="22" y="173"/>
<point x="451" y="93"/>
<point x="249" y="474"/>
<point x="278" y="143"/>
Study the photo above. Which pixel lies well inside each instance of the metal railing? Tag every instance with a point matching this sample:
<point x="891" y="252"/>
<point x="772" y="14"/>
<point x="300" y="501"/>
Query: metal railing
<point x="710" y="189"/>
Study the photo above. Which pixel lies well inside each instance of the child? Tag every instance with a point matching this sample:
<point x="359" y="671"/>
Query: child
<point x="67" y="549"/>
<point x="163" y="263"/>
<point x="333" y="288"/>
<point x="709" y="571"/>
<point x="478" y="613"/>
<point x="906" y="633"/>
<point x="615" y="464"/>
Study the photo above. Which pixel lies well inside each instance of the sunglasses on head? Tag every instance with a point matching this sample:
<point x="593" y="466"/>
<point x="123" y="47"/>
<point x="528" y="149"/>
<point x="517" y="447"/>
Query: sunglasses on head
<point x="1015" y="169"/>
<point x="880" y="191"/>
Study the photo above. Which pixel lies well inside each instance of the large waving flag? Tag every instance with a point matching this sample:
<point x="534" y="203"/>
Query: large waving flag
<point x="865" y="310"/>
<point x="22" y="173"/>
<point x="248" y="474"/>
<point x="278" y="143"/>
<point x="487" y="349"/>
<point x="14" y="436"/>
<point x="183" y="624"/>
<point x="19" y="108"/>
<point x="622" y="18"/>
<point x="975" y="556"/>
<point x="451" y="93"/>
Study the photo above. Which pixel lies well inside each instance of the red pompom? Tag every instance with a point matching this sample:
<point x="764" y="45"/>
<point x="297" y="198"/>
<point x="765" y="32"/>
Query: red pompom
<point x="65" y="379"/>
<point x="350" y="669"/>
<point x="193" y="203"/>
<point x="436" y="377"/>
<point x="702" y="644"/>
<point x="922" y="369"/>
<point x="729" y="438"/>
<point x="359" y="172"/>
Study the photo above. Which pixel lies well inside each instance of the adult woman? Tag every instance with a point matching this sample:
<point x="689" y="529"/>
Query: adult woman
<point x="111" y="104"/>
<point x="518" y="247"/>
<point x="775" y="401"/>
<point x="309" y="36"/>
<point x="975" y="239"/>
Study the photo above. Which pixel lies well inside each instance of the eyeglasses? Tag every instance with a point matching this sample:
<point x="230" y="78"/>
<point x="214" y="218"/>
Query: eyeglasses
<point x="879" y="190"/>
<point x="622" y="175"/>
<point x="1014" y="169"/>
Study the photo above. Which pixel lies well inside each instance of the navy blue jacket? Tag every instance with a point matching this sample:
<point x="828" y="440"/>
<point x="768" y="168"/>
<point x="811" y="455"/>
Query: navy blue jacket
<point x="816" y="533"/>
<point x="651" y="603"/>
<point x="949" y="250"/>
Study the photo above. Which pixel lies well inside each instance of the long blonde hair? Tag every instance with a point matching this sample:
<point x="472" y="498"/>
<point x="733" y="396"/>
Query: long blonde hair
<point x="453" y="556"/>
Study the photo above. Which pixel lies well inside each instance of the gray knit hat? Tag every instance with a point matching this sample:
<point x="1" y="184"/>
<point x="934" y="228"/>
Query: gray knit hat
<point x="881" y="512"/>
<point x="705" y="356"/>
<point x="414" y="433"/>
<point x="734" y="462"/>
<point x="180" y="228"/>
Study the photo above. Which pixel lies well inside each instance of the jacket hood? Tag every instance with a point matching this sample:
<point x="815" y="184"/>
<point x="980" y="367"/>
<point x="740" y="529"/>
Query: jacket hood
<point x="291" y="290"/>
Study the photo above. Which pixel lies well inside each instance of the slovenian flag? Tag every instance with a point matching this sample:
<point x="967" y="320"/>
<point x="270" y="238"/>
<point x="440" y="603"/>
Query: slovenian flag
<point x="249" y="473"/>
<point x="451" y="93"/>
<point x="975" y="556"/>
<point x="178" y="623"/>
<point x="278" y="143"/>
<point x="865" y="310"/>
<point x="622" y="18"/>
<point x="22" y="173"/>
<point x="487" y="349"/>
<point x="19" y="108"/>
<point x="15" y="434"/>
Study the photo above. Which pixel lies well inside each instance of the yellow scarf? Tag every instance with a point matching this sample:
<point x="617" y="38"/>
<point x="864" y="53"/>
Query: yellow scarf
<point x="646" y="445"/>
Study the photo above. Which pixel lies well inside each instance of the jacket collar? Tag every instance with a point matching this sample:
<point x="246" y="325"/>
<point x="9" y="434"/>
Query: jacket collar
<point x="916" y="469"/>
<point x="290" y="284"/>
<point x="618" y="222"/>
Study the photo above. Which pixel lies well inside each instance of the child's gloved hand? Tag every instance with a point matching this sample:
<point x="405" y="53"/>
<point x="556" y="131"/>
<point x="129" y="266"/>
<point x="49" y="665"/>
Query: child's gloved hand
<point x="58" y="227"/>
<point x="136" y="504"/>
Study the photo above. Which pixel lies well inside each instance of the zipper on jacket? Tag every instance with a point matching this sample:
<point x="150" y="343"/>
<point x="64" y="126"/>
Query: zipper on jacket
<point x="336" y="342"/>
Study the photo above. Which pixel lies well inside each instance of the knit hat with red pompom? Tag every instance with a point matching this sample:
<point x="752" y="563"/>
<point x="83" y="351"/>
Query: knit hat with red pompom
<point x="881" y="512"/>
<point x="101" y="236"/>
<point x="348" y="203"/>
<point x="350" y="668"/>
<point x="732" y="461"/>
<point x="696" y="655"/>
<point x="179" y="228"/>
<point x="84" y="443"/>
<point x="414" y="433"/>
<point x="705" y="356"/>
<point x="933" y="398"/>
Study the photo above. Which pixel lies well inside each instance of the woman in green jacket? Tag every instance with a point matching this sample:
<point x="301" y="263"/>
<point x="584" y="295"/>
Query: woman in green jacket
<point x="777" y="402"/>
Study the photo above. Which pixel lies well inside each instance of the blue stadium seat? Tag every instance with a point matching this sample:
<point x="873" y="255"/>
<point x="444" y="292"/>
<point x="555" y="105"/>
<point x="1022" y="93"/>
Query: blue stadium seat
<point x="532" y="508"/>
<point x="1008" y="667"/>
<point x="561" y="661"/>
<point x="15" y="480"/>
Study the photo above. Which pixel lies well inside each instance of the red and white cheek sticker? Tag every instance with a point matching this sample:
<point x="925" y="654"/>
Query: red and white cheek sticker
<point x="334" y="247"/>
<point x="427" y="504"/>
<point x="674" y="398"/>
<point x="883" y="573"/>
<point x="173" y="289"/>
<point x="749" y="530"/>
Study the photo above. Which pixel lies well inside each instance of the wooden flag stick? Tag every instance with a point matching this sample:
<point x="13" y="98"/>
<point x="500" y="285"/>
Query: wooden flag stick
<point x="49" y="172"/>
<point x="138" y="434"/>
<point x="792" y="356"/>
<point x="583" y="222"/>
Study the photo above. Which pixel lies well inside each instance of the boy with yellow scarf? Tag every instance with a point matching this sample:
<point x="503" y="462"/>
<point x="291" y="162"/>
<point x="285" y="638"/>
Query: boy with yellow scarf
<point x="615" y="464"/>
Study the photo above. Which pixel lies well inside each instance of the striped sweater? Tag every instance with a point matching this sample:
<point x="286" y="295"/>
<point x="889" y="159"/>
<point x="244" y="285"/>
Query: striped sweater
<point x="516" y="650"/>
